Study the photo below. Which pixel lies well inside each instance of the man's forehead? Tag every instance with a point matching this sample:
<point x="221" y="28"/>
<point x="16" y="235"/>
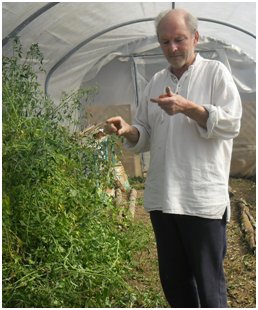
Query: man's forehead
<point x="172" y="23"/>
<point x="174" y="31"/>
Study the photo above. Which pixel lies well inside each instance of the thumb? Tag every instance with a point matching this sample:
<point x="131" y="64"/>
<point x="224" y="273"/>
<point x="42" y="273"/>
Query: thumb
<point x="122" y="130"/>
<point x="169" y="91"/>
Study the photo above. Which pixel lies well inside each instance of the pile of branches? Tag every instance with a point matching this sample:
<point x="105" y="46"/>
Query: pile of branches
<point x="248" y="224"/>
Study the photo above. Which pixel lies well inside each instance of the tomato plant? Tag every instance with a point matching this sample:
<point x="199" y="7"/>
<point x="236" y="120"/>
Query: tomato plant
<point x="63" y="243"/>
<point x="62" y="246"/>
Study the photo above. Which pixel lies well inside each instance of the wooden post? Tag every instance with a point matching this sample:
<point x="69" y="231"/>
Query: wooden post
<point x="132" y="201"/>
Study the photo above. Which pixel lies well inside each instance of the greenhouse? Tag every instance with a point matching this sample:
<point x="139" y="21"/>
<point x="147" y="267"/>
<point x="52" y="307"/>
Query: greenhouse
<point x="76" y="64"/>
<point x="114" y="44"/>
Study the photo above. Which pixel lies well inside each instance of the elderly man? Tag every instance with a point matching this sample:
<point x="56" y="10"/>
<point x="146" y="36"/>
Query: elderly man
<point x="189" y="114"/>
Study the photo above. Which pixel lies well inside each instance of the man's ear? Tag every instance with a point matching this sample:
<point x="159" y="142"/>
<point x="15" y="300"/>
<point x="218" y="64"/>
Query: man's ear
<point x="196" y="38"/>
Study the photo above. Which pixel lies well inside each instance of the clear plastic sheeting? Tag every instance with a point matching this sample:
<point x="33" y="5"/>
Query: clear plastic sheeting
<point x="113" y="45"/>
<point x="124" y="78"/>
<point x="74" y="37"/>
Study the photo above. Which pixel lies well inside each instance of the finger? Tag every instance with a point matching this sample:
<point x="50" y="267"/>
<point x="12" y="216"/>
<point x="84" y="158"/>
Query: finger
<point x="169" y="91"/>
<point x="160" y="101"/>
<point x="115" y="119"/>
<point x="110" y="128"/>
<point x="120" y="132"/>
<point x="163" y="96"/>
<point x="156" y="100"/>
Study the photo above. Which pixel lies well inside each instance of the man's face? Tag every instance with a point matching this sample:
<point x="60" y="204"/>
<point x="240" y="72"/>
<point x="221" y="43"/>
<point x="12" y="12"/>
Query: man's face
<point x="177" y="42"/>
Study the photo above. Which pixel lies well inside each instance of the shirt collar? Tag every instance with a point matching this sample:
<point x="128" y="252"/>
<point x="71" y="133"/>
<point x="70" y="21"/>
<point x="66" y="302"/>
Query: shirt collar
<point x="197" y="60"/>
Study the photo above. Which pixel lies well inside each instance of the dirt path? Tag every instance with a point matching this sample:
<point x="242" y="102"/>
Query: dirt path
<point x="240" y="265"/>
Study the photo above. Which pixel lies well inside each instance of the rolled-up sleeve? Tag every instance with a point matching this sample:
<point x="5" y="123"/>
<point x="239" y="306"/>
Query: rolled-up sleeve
<point x="143" y="144"/>
<point x="225" y="110"/>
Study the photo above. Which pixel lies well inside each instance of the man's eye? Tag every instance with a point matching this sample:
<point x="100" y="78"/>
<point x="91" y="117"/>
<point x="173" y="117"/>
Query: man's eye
<point x="179" y="40"/>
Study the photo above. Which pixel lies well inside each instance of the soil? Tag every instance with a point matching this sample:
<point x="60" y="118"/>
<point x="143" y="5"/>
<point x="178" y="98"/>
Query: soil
<point x="240" y="261"/>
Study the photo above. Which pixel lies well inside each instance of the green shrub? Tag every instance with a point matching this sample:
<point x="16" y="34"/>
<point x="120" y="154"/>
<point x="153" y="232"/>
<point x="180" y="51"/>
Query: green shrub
<point x="62" y="244"/>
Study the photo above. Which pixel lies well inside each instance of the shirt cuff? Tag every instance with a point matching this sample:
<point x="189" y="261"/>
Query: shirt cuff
<point x="211" y="122"/>
<point x="143" y="143"/>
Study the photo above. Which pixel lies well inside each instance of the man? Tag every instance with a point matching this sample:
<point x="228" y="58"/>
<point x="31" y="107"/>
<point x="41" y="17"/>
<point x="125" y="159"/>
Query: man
<point x="188" y="117"/>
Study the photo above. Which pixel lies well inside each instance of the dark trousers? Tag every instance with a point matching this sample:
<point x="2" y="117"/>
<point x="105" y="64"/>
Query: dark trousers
<point x="191" y="251"/>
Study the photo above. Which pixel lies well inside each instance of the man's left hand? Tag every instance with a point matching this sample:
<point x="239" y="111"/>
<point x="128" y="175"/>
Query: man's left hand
<point x="171" y="103"/>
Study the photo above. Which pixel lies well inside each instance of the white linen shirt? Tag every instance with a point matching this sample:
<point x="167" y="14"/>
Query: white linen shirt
<point x="189" y="165"/>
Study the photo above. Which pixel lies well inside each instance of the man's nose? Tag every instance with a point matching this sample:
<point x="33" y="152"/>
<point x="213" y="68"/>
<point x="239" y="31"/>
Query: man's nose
<point x="173" y="46"/>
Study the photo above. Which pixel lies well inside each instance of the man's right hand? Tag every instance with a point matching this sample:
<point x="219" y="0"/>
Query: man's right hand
<point x="120" y="127"/>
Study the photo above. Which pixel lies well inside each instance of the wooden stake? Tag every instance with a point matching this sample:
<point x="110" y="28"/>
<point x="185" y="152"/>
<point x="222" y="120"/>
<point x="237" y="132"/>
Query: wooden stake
<point x="132" y="201"/>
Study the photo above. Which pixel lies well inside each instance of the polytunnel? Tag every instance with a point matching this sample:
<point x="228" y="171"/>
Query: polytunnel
<point x="113" y="45"/>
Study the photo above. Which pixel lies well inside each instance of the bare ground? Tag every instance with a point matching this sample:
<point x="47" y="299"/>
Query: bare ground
<point x="240" y="261"/>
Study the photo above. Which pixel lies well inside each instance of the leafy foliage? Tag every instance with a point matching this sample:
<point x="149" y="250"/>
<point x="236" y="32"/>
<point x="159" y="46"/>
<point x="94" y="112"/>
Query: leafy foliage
<point x="62" y="243"/>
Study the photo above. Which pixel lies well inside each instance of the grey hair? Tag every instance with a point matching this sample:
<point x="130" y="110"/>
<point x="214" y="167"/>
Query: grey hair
<point x="190" y="20"/>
